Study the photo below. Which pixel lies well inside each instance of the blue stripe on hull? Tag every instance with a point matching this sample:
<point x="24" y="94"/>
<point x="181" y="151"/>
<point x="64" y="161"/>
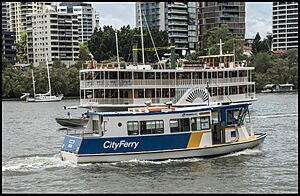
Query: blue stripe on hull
<point x="125" y="144"/>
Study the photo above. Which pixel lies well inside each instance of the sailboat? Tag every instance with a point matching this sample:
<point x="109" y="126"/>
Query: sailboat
<point x="46" y="97"/>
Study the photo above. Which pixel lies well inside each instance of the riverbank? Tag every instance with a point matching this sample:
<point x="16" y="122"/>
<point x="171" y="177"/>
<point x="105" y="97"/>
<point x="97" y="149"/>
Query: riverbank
<point x="18" y="99"/>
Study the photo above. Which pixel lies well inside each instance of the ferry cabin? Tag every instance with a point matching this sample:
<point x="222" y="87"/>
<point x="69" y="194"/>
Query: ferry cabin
<point x="112" y="87"/>
<point x="161" y="134"/>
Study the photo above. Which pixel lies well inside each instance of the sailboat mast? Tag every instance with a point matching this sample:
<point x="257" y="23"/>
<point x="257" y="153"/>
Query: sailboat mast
<point x="142" y="38"/>
<point x="48" y="74"/>
<point x="117" y="49"/>
<point x="33" y="83"/>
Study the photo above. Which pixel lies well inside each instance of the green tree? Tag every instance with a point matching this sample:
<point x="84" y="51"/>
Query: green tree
<point x="5" y="62"/>
<point x="21" y="46"/>
<point x="255" y="44"/>
<point x="231" y="43"/>
<point x="103" y="43"/>
<point x="84" y="53"/>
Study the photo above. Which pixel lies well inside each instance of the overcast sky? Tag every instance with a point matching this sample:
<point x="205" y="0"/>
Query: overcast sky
<point x="118" y="14"/>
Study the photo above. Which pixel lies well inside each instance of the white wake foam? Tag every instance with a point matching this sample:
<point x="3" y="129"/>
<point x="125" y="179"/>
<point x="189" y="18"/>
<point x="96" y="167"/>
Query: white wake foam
<point x="34" y="163"/>
<point x="245" y="152"/>
<point x="136" y="161"/>
<point x="275" y="116"/>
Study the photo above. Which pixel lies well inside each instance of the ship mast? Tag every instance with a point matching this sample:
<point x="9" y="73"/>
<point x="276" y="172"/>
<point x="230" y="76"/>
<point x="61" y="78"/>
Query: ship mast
<point x="142" y="38"/>
<point x="33" y="83"/>
<point x="48" y="74"/>
<point x="117" y="49"/>
<point x="221" y="53"/>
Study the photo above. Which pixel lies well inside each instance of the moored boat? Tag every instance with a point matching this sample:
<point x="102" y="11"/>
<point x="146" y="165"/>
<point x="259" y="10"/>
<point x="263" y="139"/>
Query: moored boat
<point x="46" y="97"/>
<point x="278" y="88"/>
<point x="72" y="122"/>
<point x="164" y="133"/>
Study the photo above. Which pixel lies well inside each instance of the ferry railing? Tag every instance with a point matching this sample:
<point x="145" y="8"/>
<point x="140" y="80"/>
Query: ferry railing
<point x="141" y="101"/>
<point x="82" y="133"/>
<point x="157" y="82"/>
<point x="123" y="101"/>
<point x="233" y="97"/>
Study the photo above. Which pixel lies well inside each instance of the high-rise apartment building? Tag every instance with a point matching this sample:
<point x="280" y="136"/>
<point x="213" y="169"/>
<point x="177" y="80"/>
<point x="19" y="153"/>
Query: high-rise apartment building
<point x="5" y="16"/>
<point x="55" y="35"/>
<point x="179" y="19"/>
<point x="8" y="46"/>
<point x="8" y="37"/>
<point x="213" y="14"/>
<point x="88" y="20"/>
<point x="285" y="25"/>
<point x="18" y="12"/>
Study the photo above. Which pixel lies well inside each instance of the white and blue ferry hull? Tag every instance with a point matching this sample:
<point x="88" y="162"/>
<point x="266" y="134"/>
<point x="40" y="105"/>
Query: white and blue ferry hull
<point x="207" y="151"/>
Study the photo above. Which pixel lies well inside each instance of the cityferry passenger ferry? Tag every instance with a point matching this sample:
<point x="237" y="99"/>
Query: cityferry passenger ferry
<point x="160" y="133"/>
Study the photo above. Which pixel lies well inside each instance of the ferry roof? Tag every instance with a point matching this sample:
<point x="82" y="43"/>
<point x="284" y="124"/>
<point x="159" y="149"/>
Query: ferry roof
<point x="215" y="55"/>
<point x="168" y="70"/>
<point x="286" y="85"/>
<point x="177" y="110"/>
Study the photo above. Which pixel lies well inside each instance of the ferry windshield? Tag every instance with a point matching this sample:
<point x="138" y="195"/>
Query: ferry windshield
<point x="236" y="116"/>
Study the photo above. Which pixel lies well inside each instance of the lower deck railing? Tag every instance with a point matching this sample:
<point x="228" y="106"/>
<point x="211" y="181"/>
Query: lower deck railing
<point x="160" y="101"/>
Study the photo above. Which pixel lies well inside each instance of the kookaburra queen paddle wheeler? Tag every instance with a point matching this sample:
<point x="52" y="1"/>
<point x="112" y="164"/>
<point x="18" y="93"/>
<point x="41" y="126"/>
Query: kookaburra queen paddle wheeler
<point x="158" y="133"/>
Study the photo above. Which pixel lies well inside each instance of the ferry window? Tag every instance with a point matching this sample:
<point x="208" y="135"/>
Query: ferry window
<point x="214" y="75"/>
<point x="133" y="128"/>
<point x="236" y="116"/>
<point x="195" y="123"/>
<point x="95" y="126"/>
<point x="157" y="75"/>
<point x="233" y="133"/>
<point x="220" y="74"/>
<point x="205" y="122"/>
<point x="149" y="75"/>
<point x="172" y="75"/>
<point x="234" y="74"/>
<point x="242" y="89"/>
<point x="209" y="75"/>
<point x="233" y="116"/>
<point x="242" y="73"/>
<point x="180" y="125"/>
<point x="152" y="127"/>
<point x="174" y="125"/>
<point x="220" y="90"/>
<point x="165" y="75"/>
<point x="214" y="91"/>
<point x="229" y="117"/>
<point x="232" y="90"/>
<point x="215" y="116"/>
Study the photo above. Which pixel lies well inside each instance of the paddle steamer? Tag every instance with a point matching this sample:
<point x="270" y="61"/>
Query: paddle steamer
<point x="216" y="78"/>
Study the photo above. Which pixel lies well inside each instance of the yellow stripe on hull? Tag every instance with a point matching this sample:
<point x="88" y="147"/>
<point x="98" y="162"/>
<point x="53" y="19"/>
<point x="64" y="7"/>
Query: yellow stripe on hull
<point x="195" y="139"/>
